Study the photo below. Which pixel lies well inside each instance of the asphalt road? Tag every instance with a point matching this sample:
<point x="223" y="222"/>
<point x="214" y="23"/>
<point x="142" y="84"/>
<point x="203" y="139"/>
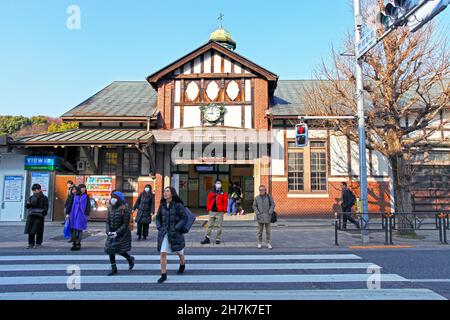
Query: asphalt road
<point x="230" y="273"/>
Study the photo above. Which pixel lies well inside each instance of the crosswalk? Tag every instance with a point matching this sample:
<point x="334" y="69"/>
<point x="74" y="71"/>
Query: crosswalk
<point x="217" y="277"/>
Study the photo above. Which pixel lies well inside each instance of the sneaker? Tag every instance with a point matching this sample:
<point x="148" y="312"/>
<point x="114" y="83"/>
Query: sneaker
<point x="30" y="246"/>
<point x="259" y="245"/>
<point x="205" y="241"/>
<point x="269" y="246"/>
<point x="37" y="246"/>
<point x="217" y="241"/>
<point x="74" y="247"/>
<point x="139" y="239"/>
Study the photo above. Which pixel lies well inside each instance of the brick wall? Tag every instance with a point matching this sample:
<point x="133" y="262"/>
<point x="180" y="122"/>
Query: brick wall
<point x="378" y="199"/>
<point x="261" y="102"/>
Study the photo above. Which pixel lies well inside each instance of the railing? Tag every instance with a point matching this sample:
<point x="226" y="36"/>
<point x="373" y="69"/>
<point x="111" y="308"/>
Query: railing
<point x="387" y="222"/>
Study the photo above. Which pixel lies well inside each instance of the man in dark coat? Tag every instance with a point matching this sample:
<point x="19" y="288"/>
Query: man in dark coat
<point x="348" y="201"/>
<point x="119" y="235"/>
<point x="37" y="206"/>
<point x="145" y="205"/>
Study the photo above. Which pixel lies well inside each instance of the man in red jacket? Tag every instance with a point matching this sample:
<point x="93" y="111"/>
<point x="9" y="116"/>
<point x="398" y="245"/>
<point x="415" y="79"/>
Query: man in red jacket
<point x="216" y="204"/>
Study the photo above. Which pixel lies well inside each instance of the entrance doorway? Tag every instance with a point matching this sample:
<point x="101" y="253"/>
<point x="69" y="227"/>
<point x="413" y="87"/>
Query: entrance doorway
<point x="195" y="181"/>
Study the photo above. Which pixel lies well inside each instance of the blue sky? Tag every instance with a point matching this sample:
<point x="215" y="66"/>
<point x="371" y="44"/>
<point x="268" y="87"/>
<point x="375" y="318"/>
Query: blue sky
<point x="47" y="69"/>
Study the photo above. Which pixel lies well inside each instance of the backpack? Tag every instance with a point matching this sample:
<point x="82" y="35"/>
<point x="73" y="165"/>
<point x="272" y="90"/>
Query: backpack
<point x="352" y="198"/>
<point x="191" y="220"/>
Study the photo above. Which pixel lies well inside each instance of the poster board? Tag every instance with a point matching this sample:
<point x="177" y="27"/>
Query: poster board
<point x="99" y="189"/>
<point x="42" y="178"/>
<point x="12" y="191"/>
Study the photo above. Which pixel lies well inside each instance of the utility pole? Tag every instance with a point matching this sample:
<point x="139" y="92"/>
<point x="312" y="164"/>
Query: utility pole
<point x="361" y="127"/>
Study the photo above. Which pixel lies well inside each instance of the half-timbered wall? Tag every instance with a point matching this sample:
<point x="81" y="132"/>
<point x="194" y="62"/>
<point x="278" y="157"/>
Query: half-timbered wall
<point x="213" y="78"/>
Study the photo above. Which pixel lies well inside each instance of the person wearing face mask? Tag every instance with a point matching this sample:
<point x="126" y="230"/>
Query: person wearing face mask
<point x="170" y="220"/>
<point x="80" y="210"/>
<point x="216" y="204"/>
<point x="119" y="235"/>
<point x="37" y="206"/>
<point x="145" y="205"/>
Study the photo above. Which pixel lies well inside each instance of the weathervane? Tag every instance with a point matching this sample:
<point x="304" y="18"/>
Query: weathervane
<point x="220" y="18"/>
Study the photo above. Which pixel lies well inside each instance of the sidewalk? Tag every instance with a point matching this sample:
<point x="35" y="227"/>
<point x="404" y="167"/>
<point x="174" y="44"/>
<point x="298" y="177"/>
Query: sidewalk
<point x="286" y="233"/>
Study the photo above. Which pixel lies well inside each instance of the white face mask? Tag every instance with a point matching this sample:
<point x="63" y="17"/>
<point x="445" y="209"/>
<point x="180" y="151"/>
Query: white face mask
<point x="113" y="201"/>
<point x="218" y="186"/>
<point x="147" y="189"/>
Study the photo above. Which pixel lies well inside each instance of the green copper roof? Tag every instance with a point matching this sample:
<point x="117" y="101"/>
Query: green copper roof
<point x="223" y="37"/>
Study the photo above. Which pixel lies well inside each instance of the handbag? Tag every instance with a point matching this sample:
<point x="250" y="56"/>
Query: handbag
<point x="67" y="230"/>
<point x="36" y="212"/>
<point x="274" y="216"/>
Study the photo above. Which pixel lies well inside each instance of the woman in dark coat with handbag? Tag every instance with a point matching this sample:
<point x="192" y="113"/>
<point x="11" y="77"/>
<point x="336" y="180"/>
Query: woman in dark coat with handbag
<point x="170" y="220"/>
<point x="118" y="232"/>
<point x="37" y="206"/>
<point x="145" y="205"/>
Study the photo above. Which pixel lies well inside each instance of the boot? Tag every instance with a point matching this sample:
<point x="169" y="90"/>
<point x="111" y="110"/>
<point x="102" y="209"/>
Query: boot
<point x="205" y="241"/>
<point x="181" y="269"/>
<point x="162" y="278"/>
<point x="74" y="247"/>
<point x="113" y="270"/>
<point x="131" y="263"/>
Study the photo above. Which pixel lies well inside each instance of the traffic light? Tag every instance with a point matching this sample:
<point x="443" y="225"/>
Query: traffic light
<point x="427" y="12"/>
<point x="422" y="11"/>
<point x="394" y="11"/>
<point x="301" y="135"/>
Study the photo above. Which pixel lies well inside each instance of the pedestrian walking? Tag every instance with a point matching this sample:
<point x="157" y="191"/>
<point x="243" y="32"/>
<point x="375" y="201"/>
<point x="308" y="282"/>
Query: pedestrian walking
<point x="145" y="204"/>
<point x="235" y="195"/>
<point x="118" y="239"/>
<point x="216" y="204"/>
<point x="264" y="206"/>
<point x="348" y="201"/>
<point x="78" y="217"/>
<point x="68" y="205"/>
<point x="37" y="208"/>
<point x="170" y="220"/>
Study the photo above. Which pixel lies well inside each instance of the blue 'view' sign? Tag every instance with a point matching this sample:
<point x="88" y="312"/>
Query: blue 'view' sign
<point x="43" y="163"/>
<point x="40" y="161"/>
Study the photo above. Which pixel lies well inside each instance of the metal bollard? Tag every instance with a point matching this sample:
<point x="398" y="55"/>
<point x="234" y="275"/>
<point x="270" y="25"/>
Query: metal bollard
<point x="390" y="229"/>
<point x="336" y="221"/>
<point x="386" y="230"/>
<point x="442" y="217"/>
<point x="440" y="229"/>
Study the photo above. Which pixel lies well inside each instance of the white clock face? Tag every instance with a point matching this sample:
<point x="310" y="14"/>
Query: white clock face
<point x="212" y="114"/>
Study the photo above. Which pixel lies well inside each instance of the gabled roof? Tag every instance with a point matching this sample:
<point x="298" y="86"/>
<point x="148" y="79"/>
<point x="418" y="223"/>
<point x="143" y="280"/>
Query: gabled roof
<point x="86" y="137"/>
<point x="155" y="77"/>
<point x="119" y="99"/>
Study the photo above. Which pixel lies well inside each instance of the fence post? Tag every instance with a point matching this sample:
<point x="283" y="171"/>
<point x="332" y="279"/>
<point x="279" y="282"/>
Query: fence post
<point x="444" y="231"/>
<point x="440" y="228"/>
<point x="386" y="231"/>
<point x="390" y="229"/>
<point x="336" y="221"/>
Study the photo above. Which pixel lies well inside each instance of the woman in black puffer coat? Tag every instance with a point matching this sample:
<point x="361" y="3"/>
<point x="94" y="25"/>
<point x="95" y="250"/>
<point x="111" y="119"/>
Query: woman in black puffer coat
<point x="170" y="220"/>
<point x="119" y="235"/>
<point x="145" y="205"/>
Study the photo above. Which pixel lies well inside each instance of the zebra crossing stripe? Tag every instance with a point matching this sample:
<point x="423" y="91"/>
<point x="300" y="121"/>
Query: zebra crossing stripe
<point x="336" y="294"/>
<point x="189" y="257"/>
<point x="196" y="266"/>
<point x="272" y="278"/>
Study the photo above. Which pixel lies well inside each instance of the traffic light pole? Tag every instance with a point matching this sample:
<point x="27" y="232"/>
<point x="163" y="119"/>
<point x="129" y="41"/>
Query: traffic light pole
<point x="361" y="128"/>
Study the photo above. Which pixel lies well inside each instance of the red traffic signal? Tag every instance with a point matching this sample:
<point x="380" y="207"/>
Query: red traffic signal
<point x="301" y="135"/>
<point x="301" y="129"/>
